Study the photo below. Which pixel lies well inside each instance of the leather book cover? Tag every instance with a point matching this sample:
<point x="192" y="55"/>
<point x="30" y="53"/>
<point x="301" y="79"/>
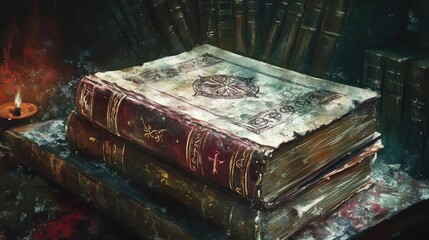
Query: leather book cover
<point x="230" y="118"/>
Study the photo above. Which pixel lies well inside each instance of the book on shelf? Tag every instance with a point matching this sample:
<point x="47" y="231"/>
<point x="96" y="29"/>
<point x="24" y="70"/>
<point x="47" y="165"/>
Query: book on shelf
<point x="255" y="129"/>
<point x="43" y="148"/>
<point x="416" y="113"/>
<point x="190" y="9"/>
<point x="207" y="21"/>
<point x="272" y="34"/>
<point x="226" y="211"/>
<point x="268" y="8"/>
<point x="308" y="33"/>
<point x="136" y="26"/>
<point x="253" y="28"/>
<point x="331" y="30"/>
<point x="225" y="24"/>
<point x="284" y="46"/>
<point x="239" y="36"/>
<point x="397" y="63"/>
<point x="373" y="75"/>
<point x="159" y="12"/>
<point x="181" y="23"/>
<point x="373" y="69"/>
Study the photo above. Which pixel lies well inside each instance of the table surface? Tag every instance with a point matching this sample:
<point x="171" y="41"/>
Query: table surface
<point x="32" y="207"/>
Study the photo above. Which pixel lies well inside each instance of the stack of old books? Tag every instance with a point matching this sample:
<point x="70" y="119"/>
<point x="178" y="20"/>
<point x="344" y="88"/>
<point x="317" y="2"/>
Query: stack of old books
<point x="255" y="150"/>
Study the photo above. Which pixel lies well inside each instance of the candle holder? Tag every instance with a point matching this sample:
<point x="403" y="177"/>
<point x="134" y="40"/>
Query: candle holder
<point x="10" y="112"/>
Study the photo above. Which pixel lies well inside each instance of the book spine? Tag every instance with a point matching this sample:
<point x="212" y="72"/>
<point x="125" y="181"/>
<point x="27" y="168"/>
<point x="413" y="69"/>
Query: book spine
<point x="239" y="27"/>
<point x="330" y="33"/>
<point x="275" y="25"/>
<point x="165" y="23"/>
<point x="268" y="8"/>
<point x="218" y="157"/>
<point x="372" y="77"/>
<point x="133" y="209"/>
<point x="416" y="113"/>
<point x="143" y="28"/>
<point x="191" y="14"/>
<point x="396" y="71"/>
<point x="181" y="23"/>
<point x="225" y="211"/>
<point x="207" y="19"/>
<point x="125" y="29"/>
<point x="373" y="70"/>
<point x="283" y="49"/>
<point x="225" y="24"/>
<point x="253" y="28"/>
<point x="307" y="36"/>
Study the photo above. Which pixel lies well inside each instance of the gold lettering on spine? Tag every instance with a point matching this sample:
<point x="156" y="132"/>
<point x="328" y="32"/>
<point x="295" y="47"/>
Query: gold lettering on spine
<point x="112" y="111"/>
<point x="86" y="99"/>
<point x="122" y="158"/>
<point x="152" y="133"/>
<point x="239" y="170"/>
<point x="112" y="154"/>
<point x="194" y="147"/>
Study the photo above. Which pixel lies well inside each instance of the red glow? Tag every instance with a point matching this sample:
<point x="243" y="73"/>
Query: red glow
<point x="30" y="44"/>
<point x="61" y="228"/>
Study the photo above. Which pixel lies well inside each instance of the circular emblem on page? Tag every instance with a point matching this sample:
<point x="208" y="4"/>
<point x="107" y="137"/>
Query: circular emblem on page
<point x="225" y="86"/>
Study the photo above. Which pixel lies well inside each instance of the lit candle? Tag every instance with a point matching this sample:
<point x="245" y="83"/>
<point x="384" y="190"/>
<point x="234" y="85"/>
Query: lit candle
<point x="18" y="101"/>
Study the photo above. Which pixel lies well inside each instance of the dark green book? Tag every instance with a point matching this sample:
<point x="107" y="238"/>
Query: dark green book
<point x="397" y="66"/>
<point x="268" y="7"/>
<point x="143" y="28"/>
<point x="225" y="24"/>
<point x="181" y="23"/>
<point x="43" y="148"/>
<point x="160" y="14"/>
<point x="207" y="21"/>
<point x="308" y="33"/>
<point x="274" y="29"/>
<point x="190" y="9"/>
<point x="334" y="18"/>
<point x="373" y="69"/>
<point x="373" y="75"/>
<point x="126" y="30"/>
<point x="416" y="111"/>
<point x="239" y="27"/>
<point x="254" y="32"/>
<point x="284" y="46"/>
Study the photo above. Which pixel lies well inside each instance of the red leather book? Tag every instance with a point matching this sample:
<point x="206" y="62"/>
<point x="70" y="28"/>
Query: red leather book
<point x="255" y="129"/>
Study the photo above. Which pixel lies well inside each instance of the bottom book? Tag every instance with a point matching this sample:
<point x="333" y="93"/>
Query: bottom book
<point x="224" y="211"/>
<point x="43" y="148"/>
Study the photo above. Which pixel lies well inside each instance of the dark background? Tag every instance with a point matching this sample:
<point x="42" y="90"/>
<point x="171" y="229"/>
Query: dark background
<point x="48" y="45"/>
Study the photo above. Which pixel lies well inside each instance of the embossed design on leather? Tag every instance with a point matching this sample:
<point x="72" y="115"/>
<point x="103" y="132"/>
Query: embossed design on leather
<point x="225" y="87"/>
<point x="112" y="111"/>
<point x="284" y="112"/>
<point x="239" y="170"/>
<point x="216" y="162"/>
<point x="150" y="133"/>
<point x="194" y="148"/>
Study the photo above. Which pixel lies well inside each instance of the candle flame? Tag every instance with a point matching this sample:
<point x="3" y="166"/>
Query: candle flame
<point x="18" y="99"/>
